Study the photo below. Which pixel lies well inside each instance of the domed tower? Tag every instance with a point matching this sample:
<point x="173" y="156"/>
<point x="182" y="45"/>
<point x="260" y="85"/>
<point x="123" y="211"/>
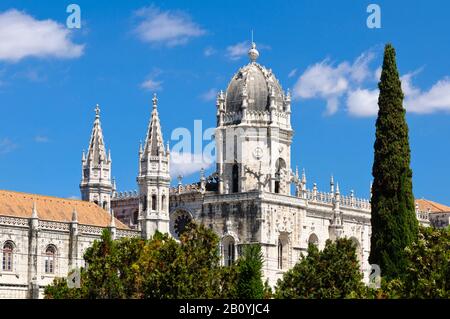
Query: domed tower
<point x="254" y="133"/>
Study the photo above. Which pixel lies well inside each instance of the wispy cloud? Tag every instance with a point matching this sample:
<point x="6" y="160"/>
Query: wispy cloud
<point x="209" y="95"/>
<point x="292" y="73"/>
<point x="41" y="139"/>
<point x="169" y="28"/>
<point x="208" y="51"/>
<point x="152" y="83"/>
<point x="23" y="36"/>
<point x="186" y="163"/>
<point x="238" y="50"/>
<point x="7" y="146"/>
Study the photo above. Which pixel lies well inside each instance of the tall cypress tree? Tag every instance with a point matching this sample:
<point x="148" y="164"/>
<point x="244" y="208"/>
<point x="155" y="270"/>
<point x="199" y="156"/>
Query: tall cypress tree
<point x="394" y="222"/>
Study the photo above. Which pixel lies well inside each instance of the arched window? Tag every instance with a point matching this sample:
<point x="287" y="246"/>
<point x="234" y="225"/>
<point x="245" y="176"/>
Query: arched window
<point x="105" y="203"/>
<point x="96" y="202"/>
<point x="135" y="217"/>
<point x="144" y="203"/>
<point x="358" y="249"/>
<point x="7" y="264"/>
<point x="279" y="166"/>
<point x="313" y="240"/>
<point x="228" y="250"/>
<point x="153" y="202"/>
<point x="235" y="177"/>
<point x="280" y="254"/>
<point x="49" y="261"/>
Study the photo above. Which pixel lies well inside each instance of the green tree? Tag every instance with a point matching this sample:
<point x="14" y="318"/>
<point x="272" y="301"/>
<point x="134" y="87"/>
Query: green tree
<point x="331" y="273"/>
<point x="394" y="223"/>
<point x="157" y="268"/>
<point x="427" y="271"/>
<point x="249" y="268"/>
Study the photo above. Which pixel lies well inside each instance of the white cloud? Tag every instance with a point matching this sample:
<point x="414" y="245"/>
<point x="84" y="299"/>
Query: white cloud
<point x="7" y="146"/>
<point x="238" y="50"/>
<point x="209" y="51"/>
<point x="170" y="28"/>
<point x="377" y="74"/>
<point x="209" y="95"/>
<point x="323" y="80"/>
<point x="329" y="82"/>
<point x="292" y="73"/>
<point x="41" y="139"/>
<point x="436" y="99"/>
<point x="186" y="164"/>
<point x="152" y="85"/>
<point x="23" y="36"/>
<point x="362" y="102"/>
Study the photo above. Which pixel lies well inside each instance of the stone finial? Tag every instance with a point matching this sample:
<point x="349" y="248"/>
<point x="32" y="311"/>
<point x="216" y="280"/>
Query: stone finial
<point x="303" y="176"/>
<point x="253" y="54"/>
<point x="112" y="223"/>
<point x="34" y="213"/>
<point x="180" y="179"/>
<point x="167" y="148"/>
<point x="97" y="111"/>
<point x="74" y="216"/>
<point x="155" y="101"/>
<point x="332" y="184"/>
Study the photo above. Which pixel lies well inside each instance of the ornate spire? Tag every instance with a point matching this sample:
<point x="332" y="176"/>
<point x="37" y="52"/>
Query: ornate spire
<point x="97" y="151"/>
<point x="154" y="140"/>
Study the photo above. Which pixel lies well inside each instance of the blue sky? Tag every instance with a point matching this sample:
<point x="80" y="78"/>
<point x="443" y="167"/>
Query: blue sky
<point x="52" y="77"/>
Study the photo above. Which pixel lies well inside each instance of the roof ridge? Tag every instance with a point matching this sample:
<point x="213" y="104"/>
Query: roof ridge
<point x="46" y="196"/>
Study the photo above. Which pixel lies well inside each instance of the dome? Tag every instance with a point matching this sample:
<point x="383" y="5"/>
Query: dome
<point x="258" y="82"/>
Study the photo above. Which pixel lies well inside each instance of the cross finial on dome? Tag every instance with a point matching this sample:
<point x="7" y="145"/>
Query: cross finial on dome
<point x="253" y="54"/>
<point x="155" y="101"/>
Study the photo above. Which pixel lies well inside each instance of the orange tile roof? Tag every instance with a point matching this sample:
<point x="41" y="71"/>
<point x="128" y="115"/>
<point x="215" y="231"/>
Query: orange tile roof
<point x="433" y="207"/>
<point x="50" y="208"/>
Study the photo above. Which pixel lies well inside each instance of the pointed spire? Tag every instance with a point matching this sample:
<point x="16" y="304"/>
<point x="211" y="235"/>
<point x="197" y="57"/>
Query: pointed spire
<point x="303" y="176"/>
<point x="154" y="139"/>
<point x="34" y="213"/>
<point x="96" y="150"/>
<point x="296" y="171"/>
<point x="167" y="148"/>
<point x="337" y="189"/>
<point x="74" y="216"/>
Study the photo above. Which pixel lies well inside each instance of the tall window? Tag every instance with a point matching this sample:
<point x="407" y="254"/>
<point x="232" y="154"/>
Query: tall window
<point x="50" y="253"/>
<point x="228" y="250"/>
<point x="163" y="202"/>
<point x="135" y="217"/>
<point x="280" y="254"/>
<point x="7" y="256"/>
<point x="235" y="178"/>
<point x="153" y="202"/>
